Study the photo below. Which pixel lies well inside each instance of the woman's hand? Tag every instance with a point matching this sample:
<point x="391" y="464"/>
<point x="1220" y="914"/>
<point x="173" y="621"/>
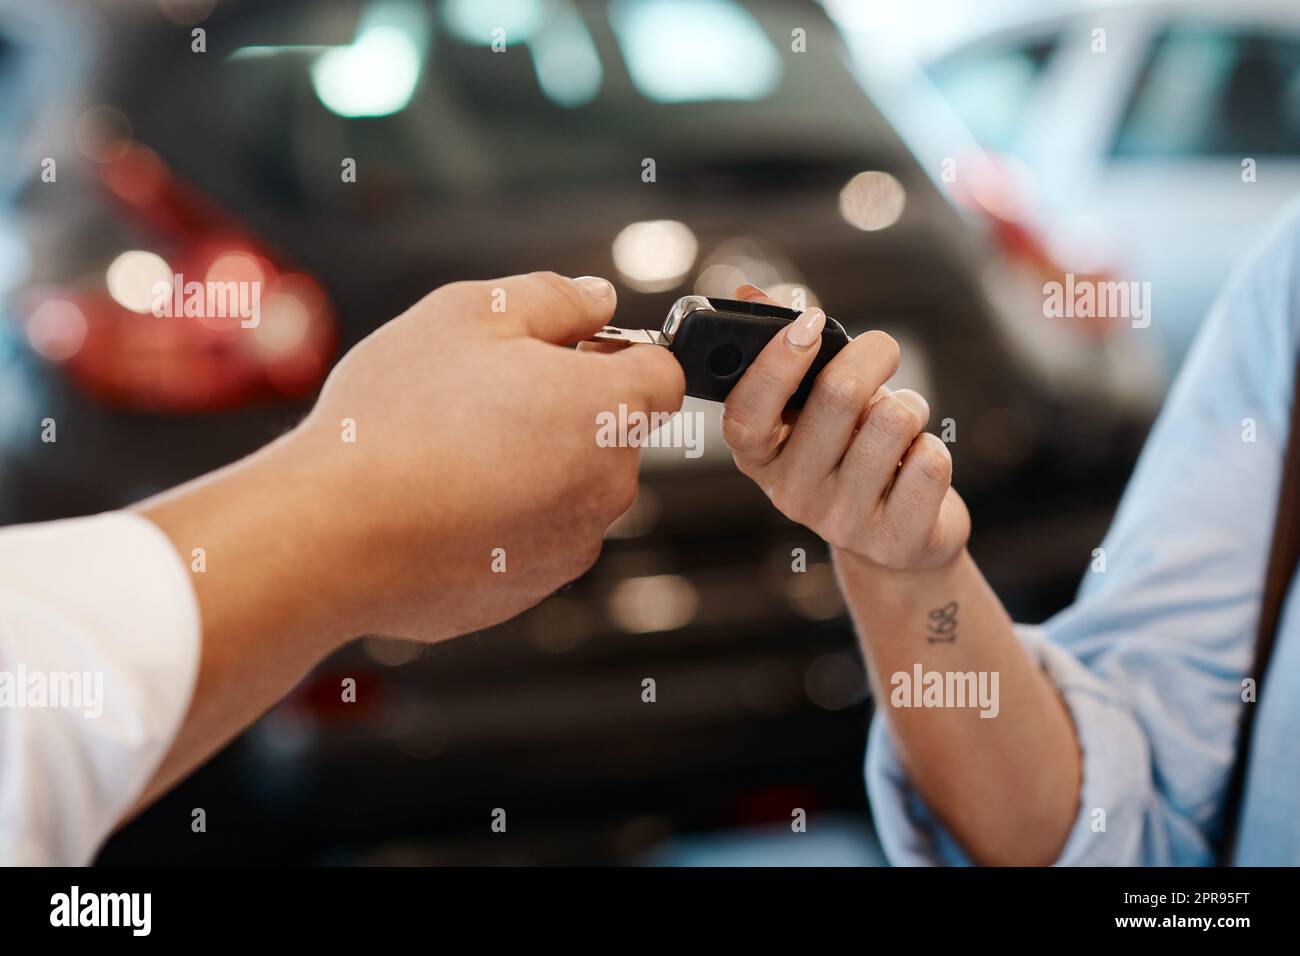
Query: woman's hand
<point x="856" y="468"/>
<point x="855" y="465"/>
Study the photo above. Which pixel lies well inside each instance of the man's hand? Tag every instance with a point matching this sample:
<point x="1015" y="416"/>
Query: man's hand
<point x="476" y="431"/>
<point x="856" y="466"/>
<point x="447" y="479"/>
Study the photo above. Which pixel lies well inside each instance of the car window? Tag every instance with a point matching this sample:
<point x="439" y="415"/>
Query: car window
<point x="420" y="90"/>
<point x="1213" y="92"/>
<point x="990" y="87"/>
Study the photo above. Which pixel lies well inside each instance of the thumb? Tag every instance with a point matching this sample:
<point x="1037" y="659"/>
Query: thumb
<point x="542" y="305"/>
<point x="647" y="377"/>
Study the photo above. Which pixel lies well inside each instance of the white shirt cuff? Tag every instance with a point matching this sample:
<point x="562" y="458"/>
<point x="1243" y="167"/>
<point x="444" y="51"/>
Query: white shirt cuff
<point x="101" y="612"/>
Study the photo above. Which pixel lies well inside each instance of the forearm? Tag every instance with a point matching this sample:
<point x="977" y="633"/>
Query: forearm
<point x="271" y="598"/>
<point x="1006" y="786"/>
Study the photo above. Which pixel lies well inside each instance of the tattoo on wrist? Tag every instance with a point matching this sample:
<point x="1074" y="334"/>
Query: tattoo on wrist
<point x="941" y="624"/>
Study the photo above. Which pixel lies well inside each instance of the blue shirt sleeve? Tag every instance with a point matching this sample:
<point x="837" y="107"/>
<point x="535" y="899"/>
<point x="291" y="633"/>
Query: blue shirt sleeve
<point x="1150" y="658"/>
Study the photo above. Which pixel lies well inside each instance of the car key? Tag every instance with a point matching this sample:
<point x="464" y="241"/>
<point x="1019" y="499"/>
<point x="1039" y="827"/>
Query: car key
<point x="716" y="340"/>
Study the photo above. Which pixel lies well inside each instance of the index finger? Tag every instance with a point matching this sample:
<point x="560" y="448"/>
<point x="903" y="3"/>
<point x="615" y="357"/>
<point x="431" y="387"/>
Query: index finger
<point x="752" y="416"/>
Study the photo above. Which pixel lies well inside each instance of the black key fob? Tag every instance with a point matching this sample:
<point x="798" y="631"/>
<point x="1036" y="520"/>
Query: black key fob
<point x="716" y="340"/>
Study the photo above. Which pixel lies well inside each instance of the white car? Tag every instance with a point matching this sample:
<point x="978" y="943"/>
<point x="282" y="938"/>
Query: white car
<point x="1156" y="138"/>
<point x="1165" y="133"/>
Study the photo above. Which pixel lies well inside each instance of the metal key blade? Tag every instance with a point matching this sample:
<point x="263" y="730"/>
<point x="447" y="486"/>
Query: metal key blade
<point x="612" y="333"/>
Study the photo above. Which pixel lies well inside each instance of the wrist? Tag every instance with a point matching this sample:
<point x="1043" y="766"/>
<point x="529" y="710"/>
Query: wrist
<point x="274" y="556"/>
<point x="852" y="563"/>
<point x="317" y="502"/>
<point x="892" y="589"/>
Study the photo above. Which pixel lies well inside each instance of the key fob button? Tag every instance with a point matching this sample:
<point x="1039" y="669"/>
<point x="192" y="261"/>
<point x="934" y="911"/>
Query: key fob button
<point x="725" y="360"/>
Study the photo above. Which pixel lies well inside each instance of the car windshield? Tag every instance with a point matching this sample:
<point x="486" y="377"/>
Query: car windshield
<point x="454" y="98"/>
<point x="990" y="86"/>
<point x="1213" y="92"/>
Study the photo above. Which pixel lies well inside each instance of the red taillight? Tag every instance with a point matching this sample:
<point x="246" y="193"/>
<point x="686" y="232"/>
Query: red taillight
<point x="238" y="328"/>
<point x="996" y="189"/>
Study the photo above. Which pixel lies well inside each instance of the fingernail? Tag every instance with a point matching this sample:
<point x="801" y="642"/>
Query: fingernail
<point x="803" y="331"/>
<point x="750" y="291"/>
<point x="595" y="286"/>
<point x="915" y="401"/>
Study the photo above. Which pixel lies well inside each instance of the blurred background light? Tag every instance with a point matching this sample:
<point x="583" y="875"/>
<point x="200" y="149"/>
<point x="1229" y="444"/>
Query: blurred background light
<point x="15" y="256"/>
<point x="744" y="259"/>
<point x="721" y="279"/>
<point x="377" y="74"/>
<point x="787" y="292"/>
<point x="835" y="681"/>
<point x="131" y="278"/>
<point x="668" y="65"/>
<point x="186" y="12"/>
<point x="56" y="330"/>
<point x="235" y="266"/>
<point x="564" y="55"/>
<point x="283" y="325"/>
<point x="472" y="21"/>
<point x="872" y="200"/>
<point x="658" y="602"/>
<point x="136" y="176"/>
<point x="655" y="256"/>
<point x="102" y="134"/>
<point x="814" y="593"/>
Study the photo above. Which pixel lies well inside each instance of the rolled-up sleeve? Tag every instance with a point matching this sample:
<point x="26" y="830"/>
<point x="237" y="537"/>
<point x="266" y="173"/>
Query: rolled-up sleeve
<point x="99" y="650"/>
<point x="1150" y="658"/>
<point x="1119" y="811"/>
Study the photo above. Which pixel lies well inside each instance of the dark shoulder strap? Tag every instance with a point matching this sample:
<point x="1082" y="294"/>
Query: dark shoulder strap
<point x="1282" y="559"/>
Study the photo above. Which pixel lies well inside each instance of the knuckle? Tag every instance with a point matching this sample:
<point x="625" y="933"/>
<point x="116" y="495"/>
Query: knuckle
<point x="555" y="289"/>
<point x="743" y="429"/>
<point x="622" y="496"/>
<point x="450" y="292"/>
<point x="843" y="390"/>
<point x="893" y="417"/>
<point x="584" y="556"/>
<point x="616" y="491"/>
<point x="738" y="431"/>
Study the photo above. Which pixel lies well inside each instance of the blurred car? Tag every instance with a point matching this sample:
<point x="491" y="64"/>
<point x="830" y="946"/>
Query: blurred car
<point x="594" y="141"/>
<point x="1159" y="135"/>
